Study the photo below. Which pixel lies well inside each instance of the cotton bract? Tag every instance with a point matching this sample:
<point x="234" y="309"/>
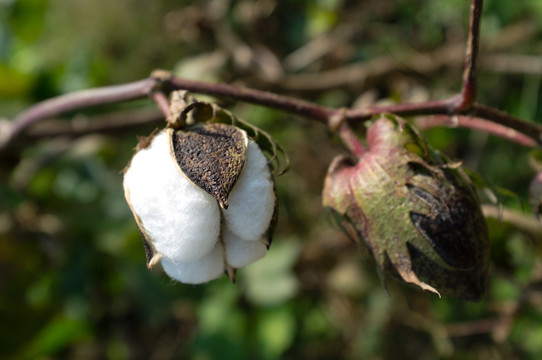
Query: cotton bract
<point x="203" y="199"/>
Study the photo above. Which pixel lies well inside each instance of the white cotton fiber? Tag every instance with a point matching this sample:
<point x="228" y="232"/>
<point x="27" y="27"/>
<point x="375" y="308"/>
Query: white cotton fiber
<point x="240" y="253"/>
<point x="252" y="201"/>
<point x="182" y="220"/>
<point x="207" y="268"/>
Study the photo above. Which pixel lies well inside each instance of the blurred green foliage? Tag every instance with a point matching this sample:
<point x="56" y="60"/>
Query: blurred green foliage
<point x="73" y="281"/>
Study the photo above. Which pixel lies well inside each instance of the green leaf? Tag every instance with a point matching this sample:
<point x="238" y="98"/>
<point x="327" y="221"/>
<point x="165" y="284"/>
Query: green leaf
<point x="59" y="333"/>
<point x="278" y="159"/>
<point x="276" y="331"/>
<point x="271" y="280"/>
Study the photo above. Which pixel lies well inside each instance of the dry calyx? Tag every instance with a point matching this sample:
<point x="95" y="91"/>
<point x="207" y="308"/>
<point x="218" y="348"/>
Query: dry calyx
<point x="203" y="196"/>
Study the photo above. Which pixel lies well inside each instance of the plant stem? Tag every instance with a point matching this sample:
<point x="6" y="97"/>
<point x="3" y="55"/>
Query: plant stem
<point x="467" y="96"/>
<point x="110" y="123"/>
<point x="75" y="101"/>
<point x="475" y="123"/>
<point x="160" y="83"/>
<point x="145" y="87"/>
<point x="161" y="101"/>
<point x="286" y="103"/>
<point x="525" y="222"/>
<point x="531" y="130"/>
<point x="351" y="141"/>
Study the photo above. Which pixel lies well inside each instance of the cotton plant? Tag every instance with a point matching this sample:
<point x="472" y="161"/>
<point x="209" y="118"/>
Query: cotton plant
<point x="202" y="193"/>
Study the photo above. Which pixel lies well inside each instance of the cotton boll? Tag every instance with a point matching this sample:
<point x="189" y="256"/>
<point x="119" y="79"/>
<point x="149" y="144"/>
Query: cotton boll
<point x="252" y="201"/>
<point x="240" y="253"/>
<point x="182" y="220"/>
<point x="209" y="267"/>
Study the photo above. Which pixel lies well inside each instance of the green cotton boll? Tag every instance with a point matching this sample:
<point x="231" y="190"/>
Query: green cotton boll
<point x="416" y="212"/>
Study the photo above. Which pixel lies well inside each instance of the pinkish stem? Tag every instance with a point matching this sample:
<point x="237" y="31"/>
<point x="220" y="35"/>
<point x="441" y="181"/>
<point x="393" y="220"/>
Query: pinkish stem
<point x="475" y="123"/>
<point x="351" y="141"/>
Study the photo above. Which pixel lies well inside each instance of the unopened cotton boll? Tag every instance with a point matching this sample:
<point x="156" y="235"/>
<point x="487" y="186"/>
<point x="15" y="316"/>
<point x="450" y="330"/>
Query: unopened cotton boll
<point x="203" y="199"/>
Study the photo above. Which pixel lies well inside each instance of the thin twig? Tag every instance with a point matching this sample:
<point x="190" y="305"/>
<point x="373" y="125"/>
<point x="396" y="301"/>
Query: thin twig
<point x="531" y="130"/>
<point x="75" y="101"/>
<point x="475" y="123"/>
<point x="513" y="64"/>
<point x="482" y="326"/>
<point x="286" y="103"/>
<point x="526" y="222"/>
<point x="449" y="55"/>
<point x="161" y="101"/>
<point x="468" y="93"/>
<point x="104" y="124"/>
<point x="347" y="135"/>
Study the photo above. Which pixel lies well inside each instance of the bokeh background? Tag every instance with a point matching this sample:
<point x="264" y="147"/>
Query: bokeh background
<point x="73" y="281"/>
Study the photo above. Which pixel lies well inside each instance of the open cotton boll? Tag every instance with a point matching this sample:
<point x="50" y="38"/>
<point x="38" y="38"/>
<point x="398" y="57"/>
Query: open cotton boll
<point x="252" y="201"/>
<point x="182" y="220"/>
<point x="207" y="268"/>
<point x="239" y="252"/>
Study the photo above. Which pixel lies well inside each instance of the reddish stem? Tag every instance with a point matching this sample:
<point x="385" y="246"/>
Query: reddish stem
<point x="531" y="130"/>
<point x="476" y="124"/>
<point x="75" y="101"/>
<point x="286" y="103"/>
<point x="161" y="81"/>
<point x="161" y="101"/>
<point x="351" y="141"/>
<point x="143" y="88"/>
<point x="468" y="94"/>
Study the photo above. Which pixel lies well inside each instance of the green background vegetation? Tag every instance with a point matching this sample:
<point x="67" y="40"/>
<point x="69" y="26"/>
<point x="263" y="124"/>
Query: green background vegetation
<point x="73" y="281"/>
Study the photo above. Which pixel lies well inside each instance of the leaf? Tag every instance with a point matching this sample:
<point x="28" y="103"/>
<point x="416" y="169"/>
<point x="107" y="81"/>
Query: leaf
<point x="276" y="330"/>
<point x="278" y="158"/>
<point x="57" y="334"/>
<point x="271" y="280"/>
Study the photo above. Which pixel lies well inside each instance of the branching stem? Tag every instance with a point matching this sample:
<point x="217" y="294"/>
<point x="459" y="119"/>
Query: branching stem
<point x="161" y="83"/>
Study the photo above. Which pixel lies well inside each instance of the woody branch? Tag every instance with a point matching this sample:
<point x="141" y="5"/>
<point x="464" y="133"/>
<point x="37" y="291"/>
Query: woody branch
<point x="161" y="83"/>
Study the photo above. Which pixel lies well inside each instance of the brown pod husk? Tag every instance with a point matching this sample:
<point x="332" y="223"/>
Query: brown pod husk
<point x="212" y="156"/>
